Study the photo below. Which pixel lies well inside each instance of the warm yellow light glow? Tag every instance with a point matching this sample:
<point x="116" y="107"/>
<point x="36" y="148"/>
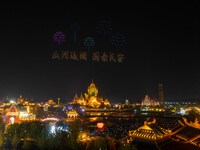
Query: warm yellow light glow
<point x="84" y="137"/>
<point x="100" y="125"/>
<point x="48" y="119"/>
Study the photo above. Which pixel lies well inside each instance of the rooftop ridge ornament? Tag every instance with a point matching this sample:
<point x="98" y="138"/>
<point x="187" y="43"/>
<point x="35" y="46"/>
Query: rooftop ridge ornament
<point x="194" y="124"/>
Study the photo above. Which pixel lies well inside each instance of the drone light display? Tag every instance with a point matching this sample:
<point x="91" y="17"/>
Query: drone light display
<point x="59" y="37"/>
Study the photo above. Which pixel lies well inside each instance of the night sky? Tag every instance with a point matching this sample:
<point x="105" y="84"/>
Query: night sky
<point x="162" y="45"/>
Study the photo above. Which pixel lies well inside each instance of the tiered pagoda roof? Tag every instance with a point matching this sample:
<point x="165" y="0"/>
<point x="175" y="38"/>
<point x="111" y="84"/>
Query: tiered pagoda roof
<point x="150" y="131"/>
<point x="188" y="132"/>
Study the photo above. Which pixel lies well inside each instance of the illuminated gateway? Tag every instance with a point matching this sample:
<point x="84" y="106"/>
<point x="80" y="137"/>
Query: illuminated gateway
<point x="91" y="99"/>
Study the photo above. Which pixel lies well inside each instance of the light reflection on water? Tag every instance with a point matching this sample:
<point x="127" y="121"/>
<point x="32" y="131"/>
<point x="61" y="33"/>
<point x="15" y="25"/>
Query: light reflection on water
<point x="94" y="119"/>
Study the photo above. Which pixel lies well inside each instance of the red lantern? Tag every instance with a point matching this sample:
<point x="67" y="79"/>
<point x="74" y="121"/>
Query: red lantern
<point x="100" y="125"/>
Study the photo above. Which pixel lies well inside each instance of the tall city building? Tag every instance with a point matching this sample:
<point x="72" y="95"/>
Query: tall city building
<point x="160" y="93"/>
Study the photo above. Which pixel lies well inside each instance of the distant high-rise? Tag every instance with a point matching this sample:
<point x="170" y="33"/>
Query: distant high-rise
<point x="160" y="93"/>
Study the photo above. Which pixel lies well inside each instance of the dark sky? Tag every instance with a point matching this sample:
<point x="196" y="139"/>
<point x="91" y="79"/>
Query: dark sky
<point x="162" y="44"/>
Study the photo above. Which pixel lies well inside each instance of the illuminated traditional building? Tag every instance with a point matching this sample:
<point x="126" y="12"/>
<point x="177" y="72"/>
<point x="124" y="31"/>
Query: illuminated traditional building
<point x="6" y="103"/>
<point x="93" y="102"/>
<point x="82" y="101"/>
<point x="18" y="113"/>
<point x="46" y="106"/>
<point x="188" y="132"/>
<point x="20" y="99"/>
<point x="25" y="115"/>
<point x="147" y="101"/>
<point x="1" y="110"/>
<point x="91" y="98"/>
<point x="106" y="103"/>
<point x="5" y="107"/>
<point x="12" y="115"/>
<point x="77" y="100"/>
<point x="72" y="114"/>
<point x="92" y="90"/>
<point x="51" y="102"/>
<point x="149" y="132"/>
